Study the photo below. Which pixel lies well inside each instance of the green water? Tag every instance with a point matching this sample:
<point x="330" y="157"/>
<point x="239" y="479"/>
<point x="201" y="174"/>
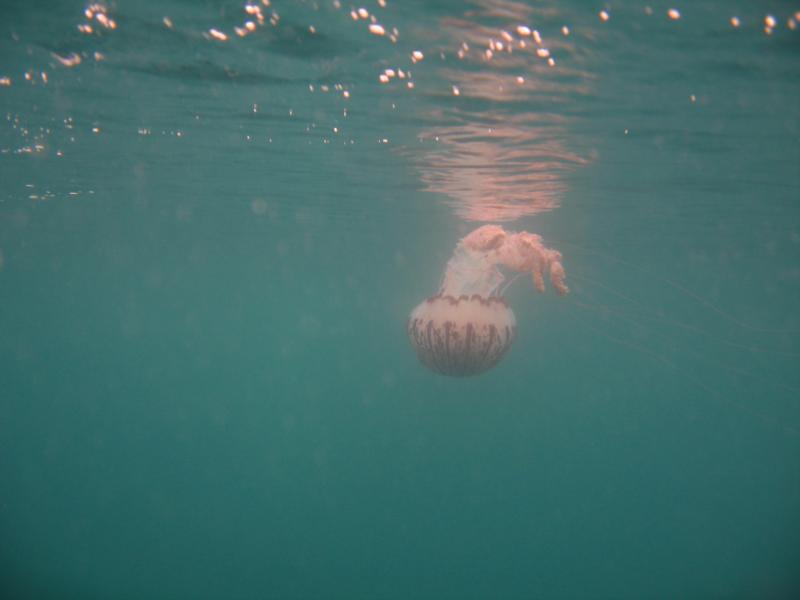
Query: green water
<point x="206" y="389"/>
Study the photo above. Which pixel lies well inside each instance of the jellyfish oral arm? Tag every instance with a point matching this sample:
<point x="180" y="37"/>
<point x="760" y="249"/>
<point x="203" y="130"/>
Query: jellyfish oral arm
<point x="474" y="266"/>
<point x="470" y="273"/>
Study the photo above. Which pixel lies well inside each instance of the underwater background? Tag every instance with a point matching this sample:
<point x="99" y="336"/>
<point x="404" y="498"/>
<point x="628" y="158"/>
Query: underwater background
<point x="212" y="234"/>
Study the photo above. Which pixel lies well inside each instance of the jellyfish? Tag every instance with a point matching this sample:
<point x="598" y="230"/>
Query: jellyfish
<point x="468" y="327"/>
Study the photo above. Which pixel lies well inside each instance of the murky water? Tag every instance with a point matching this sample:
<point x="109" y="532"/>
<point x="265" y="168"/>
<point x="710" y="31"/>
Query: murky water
<point x="212" y="234"/>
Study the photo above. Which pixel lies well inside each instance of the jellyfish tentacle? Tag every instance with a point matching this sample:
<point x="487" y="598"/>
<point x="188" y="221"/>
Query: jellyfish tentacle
<point x="504" y="289"/>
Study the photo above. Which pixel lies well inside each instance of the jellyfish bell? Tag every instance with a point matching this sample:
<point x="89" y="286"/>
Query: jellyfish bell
<point x="468" y="327"/>
<point x="461" y="336"/>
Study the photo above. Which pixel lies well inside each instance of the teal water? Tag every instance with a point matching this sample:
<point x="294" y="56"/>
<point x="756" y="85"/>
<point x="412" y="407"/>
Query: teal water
<point x="208" y="254"/>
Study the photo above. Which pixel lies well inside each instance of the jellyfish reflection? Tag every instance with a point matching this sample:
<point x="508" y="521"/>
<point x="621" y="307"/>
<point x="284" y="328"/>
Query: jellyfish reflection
<point x="468" y="327"/>
<point x="504" y="149"/>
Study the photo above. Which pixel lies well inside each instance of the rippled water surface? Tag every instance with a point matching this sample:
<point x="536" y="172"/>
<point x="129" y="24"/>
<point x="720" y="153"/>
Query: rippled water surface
<point x="212" y="234"/>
